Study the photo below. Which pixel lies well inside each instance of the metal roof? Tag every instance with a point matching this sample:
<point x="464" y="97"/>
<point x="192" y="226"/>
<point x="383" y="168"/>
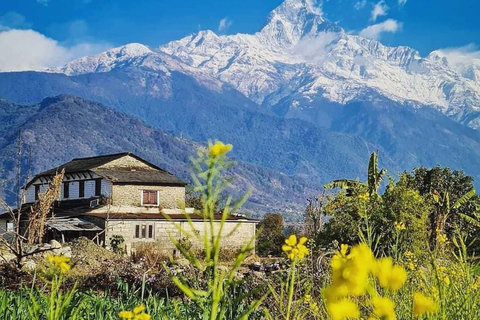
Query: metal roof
<point x="71" y="224"/>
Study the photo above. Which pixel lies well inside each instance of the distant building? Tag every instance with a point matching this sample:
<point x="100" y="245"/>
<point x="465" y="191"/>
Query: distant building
<point x="121" y="194"/>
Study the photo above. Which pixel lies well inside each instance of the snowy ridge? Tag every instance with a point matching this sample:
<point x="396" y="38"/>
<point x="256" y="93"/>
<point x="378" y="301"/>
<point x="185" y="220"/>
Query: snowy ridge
<point x="300" y="57"/>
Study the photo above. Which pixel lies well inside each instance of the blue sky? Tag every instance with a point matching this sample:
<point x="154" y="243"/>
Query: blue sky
<point x="77" y="27"/>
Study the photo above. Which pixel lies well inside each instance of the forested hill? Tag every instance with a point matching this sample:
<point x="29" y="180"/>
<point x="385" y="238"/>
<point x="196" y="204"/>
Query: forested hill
<point x="64" y="127"/>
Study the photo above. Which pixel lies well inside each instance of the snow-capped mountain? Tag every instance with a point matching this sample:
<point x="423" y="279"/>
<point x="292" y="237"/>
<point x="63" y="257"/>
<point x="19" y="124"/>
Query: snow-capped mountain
<point x="299" y="57"/>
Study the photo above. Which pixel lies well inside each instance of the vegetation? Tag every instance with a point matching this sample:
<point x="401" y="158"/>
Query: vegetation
<point x="394" y="262"/>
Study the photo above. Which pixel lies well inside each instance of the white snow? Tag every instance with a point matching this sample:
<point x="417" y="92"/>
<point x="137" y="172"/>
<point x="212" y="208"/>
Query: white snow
<point x="299" y="53"/>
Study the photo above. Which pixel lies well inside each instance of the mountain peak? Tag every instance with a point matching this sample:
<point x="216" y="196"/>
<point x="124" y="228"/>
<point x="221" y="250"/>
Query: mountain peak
<point x="133" y="49"/>
<point x="295" y="19"/>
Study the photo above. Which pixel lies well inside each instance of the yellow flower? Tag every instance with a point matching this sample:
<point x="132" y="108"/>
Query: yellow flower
<point x="423" y="304"/>
<point x="220" y="149"/>
<point x="295" y="250"/>
<point x="139" y="309"/>
<point x="127" y="315"/>
<point x="364" y="196"/>
<point x="441" y="238"/>
<point x="399" y="226"/>
<point x="389" y="275"/>
<point x="350" y="272"/>
<point x="307" y="299"/>
<point x="142" y="316"/>
<point x="314" y="307"/>
<point x="61" y="263"/>
<point x="343" y="309"/>
<point x="137" y="314"/>
<point x="384" y="308"/>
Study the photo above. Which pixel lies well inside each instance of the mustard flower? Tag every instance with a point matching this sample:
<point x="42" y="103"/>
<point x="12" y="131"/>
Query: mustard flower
<point x="384" y="308"/>
<point x="61" y="263"/>
<point x="442" y="238"/>
<point x="399" y="226"/>
<point x="343" y="309"/>
<point x="364" y="196"/>
<point x="126" y="315"/>
<point x="350" y="272"/>
<point x="423" y="304"/>
<point x="137" y="314"/>
<point x="389" y="275"/>
<point x="220" y="149"/>
<point x="314" y="307"/>
<point x="295" y="250"/>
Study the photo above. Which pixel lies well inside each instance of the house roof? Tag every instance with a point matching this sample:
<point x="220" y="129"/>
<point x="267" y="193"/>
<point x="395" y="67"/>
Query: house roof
<point x="160" y="176"/>
<point x="140" y="177"/>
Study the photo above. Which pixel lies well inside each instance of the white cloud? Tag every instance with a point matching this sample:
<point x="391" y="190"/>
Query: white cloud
<point x="462" y="59"/>
<point x="375" y="31"/>
<point x="360" y="4"/>
<point x="380" y="9"/>
<point x="402" y="2"/>
<point x="315" y="6"/>
<point x="224" y="24"/>
<point x="315" y="49"/>
<point x="12" y="20"/>
<point x="30" y="50"/>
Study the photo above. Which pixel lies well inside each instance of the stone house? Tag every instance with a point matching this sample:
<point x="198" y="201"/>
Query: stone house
<point x="123" y="194"/>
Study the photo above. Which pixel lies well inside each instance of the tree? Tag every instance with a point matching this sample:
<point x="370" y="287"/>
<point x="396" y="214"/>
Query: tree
<point x="271" y="236"/>
<point x="315" y="215"/>
<point x="452" y="194"/>
<point x="29" y="222"/>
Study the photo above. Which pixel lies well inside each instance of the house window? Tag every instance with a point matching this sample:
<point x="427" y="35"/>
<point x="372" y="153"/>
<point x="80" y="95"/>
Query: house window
<point x="10" y="227"/>
<point x="37" y="191"/>
<point x="98" y="187"/>
<point x="144" y="231"/>
<point x="150" y="197"/>
<point x="66" y="190"/>
<point x="137" y="231"/>
<point x="81" y="189"/>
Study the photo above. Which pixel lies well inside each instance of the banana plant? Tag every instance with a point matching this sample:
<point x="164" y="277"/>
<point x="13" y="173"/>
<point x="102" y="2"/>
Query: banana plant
<point x="445" y="209"/>
<point x="374" y="178"/>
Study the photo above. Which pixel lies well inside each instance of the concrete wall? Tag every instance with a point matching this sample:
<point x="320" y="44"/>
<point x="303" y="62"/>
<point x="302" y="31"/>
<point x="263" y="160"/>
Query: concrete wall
<point x="164" y="229"/>
<point x="131" y="195"/>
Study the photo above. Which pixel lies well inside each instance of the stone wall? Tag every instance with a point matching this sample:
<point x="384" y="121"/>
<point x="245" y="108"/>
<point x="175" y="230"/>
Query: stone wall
<point x="163" y="230"/>
<point x="131" y="195"/>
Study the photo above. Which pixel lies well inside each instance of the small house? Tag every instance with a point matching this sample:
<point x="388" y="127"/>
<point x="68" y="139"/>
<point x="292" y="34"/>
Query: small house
<point x="122" y="195"/>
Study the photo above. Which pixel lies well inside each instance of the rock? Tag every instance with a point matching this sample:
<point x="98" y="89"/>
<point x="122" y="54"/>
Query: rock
<point x="55" y="244"/>
<point x="29" y="265"/>
<point x="65" y="251"/>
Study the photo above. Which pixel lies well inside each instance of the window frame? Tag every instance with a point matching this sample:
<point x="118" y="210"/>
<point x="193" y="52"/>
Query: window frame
<point x="36" y="191"/>
<point x="81" y="188"/>
<point x="157" y="198"/>
<point x="144" y="231"/>
<point x="98" y="187"/>
<point x="66" y="190"/>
